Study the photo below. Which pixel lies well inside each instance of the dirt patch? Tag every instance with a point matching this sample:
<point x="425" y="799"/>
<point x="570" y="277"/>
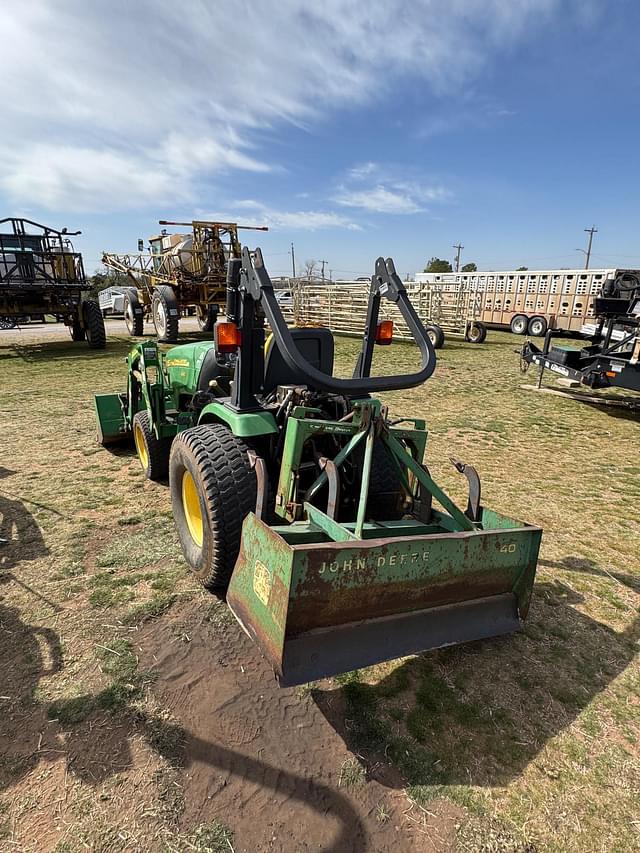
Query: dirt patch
<point x="265" y="760"/>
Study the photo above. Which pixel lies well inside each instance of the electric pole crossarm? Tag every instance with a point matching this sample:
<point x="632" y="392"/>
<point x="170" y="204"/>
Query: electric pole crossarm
<point x="459" y="247"/>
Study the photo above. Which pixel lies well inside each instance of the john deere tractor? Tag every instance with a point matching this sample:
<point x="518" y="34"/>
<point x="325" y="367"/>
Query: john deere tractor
<point x="297" y="495"/>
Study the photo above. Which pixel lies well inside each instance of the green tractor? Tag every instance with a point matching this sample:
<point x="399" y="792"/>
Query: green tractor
<point x="296" y="495"/>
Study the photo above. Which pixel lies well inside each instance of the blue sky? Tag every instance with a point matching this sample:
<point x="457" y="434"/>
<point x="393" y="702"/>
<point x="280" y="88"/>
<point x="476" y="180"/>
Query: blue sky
<point x="352" y="129"/>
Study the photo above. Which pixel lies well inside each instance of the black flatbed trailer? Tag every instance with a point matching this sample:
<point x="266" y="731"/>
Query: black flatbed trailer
<point x="612" y="359"/>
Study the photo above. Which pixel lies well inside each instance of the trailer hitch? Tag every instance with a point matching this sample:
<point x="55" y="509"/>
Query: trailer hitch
<point x="474" y="507"/>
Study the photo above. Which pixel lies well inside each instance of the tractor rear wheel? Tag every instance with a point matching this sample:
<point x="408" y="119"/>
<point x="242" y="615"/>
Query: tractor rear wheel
<point x="207" y="316"/>
<point x="165" y="313"/>
<point x="436" y="335"/>
<point x="94" y="325"/>
<point x="213" y="489"/>
<point x="153" y="453"/>
<point x="386" y="495"/>
<point x="133" y="314"/>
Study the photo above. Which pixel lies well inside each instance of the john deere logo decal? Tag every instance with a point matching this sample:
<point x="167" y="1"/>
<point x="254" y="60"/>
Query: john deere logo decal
<point x="262" y="582"/>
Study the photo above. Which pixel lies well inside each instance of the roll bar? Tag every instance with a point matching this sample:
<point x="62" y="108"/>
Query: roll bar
<point x="253" y="279"/>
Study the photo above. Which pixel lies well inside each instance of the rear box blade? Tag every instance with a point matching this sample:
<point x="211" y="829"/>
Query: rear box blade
<point x="321" y="608"/>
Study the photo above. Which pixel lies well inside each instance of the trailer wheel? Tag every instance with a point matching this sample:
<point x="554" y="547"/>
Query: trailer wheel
<point x="153" y="453"/>
<point x="519" y="324"/>
<point x="133" y="314"/>
<point x="436" y="335"/>
<point x="537" y="327"/>
<point x="76" y="329"/>
<point x="207" y="316"/>
<point x="94" y="325"/>
<point x="476" y="333"/>
<point x="165" y="313"/>
<point x="213" y="489"/>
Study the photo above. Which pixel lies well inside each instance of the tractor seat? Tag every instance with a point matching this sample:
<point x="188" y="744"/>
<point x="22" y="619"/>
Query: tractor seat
<point x="316" y="345"/>
<point x="213" y="368"/>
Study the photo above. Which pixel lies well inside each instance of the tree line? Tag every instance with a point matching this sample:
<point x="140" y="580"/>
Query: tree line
<point x="440" y="265"/>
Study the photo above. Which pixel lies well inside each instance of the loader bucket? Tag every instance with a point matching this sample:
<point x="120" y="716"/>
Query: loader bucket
<point x="317" y="607"/>
<point x="112" y="425"/>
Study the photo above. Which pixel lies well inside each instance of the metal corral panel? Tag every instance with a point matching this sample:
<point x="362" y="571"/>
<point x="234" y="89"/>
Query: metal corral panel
<point x="342" y="306"/>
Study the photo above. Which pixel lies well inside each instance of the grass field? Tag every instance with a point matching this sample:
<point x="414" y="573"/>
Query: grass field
<point x="533" y="738"/>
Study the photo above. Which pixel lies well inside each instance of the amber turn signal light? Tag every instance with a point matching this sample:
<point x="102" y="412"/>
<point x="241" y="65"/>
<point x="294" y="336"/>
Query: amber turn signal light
<point x="384" y="332"/>
<point x="227" y="337"/>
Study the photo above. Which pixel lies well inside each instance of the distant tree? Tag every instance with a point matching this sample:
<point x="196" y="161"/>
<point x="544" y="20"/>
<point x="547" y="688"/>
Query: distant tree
<point x="471" y="267"/>
<point x="310" y="268"/>
<point x="522" y="269"/>
<point x="437" y="265"/>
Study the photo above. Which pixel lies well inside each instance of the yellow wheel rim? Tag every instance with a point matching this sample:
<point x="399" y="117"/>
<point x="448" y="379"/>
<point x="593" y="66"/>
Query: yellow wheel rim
<point x="141" y="447"/>
<point x="191" y="507"/>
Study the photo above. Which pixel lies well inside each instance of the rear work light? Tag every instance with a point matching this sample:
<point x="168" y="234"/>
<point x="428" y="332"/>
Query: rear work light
<point x="384" y="332"/>
<point x="227" y="337"/>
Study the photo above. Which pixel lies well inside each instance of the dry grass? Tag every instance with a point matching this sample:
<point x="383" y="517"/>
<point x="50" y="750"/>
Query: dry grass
<point x="534" y="737"/>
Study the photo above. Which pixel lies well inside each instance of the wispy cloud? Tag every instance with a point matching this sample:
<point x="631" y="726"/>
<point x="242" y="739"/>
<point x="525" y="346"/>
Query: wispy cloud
<point x="147" y="99"/>
<point x="290" y="220"/>
<point x="390" y="192"/>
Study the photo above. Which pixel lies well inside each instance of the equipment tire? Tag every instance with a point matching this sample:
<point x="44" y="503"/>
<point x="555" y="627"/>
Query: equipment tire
<point x="207" y="316"/>
<point x="133" y="314"/>
<point x="537" y="327"/>
<point x="165" y="313"/>
<point x="385" y="502"/>
<point x="94" y="325"/>
<point x="76" y="329"/>
<point x="476" y="333"/>
<point x="519" y="324"/>
<point x="153" y="453"/>
<point x="436" y="335"/>
<point x="213" y="489"/>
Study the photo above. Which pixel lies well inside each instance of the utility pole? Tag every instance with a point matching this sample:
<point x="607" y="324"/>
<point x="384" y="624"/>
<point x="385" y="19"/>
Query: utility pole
<point x="459" y="248"/>
<point x="323" y="263"/>
<point x="293" y="261"/>
<point x="590" y="231"/>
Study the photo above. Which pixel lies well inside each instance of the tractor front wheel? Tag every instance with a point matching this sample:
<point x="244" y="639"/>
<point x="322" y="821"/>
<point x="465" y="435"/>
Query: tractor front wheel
<point x="213" y="489"/>
<point x="165" y="313"/>
<point x="94" y="325"/>
<point x="153" y="453"/>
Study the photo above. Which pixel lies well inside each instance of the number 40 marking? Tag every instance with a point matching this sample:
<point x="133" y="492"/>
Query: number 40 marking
<point x="508" y="549"/>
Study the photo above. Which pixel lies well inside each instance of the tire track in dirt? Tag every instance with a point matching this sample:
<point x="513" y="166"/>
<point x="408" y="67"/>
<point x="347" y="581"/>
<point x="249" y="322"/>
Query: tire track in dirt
<point x="265" y="760"/>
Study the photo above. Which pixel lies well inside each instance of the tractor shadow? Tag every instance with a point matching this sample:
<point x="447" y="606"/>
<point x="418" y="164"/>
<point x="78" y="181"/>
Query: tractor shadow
<point x="479" y="714"/>
<point x="56" y="350"/>
<point x="30" y="653"/>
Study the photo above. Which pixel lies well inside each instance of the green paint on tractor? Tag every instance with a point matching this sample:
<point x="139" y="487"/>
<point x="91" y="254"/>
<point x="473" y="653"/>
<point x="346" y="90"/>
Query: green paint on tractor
<point x="343" y="560"/>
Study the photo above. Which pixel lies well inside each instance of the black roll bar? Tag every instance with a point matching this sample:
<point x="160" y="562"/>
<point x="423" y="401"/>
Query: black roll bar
<point x="385" y="283"/>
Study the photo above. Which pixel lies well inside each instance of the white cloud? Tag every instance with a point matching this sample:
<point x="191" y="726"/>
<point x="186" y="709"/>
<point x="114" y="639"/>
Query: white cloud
<point x="290" y="220"/>
<point x="149" y="98"/>
<point x="379" y="200"/>
<point x="390" y="194"/>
